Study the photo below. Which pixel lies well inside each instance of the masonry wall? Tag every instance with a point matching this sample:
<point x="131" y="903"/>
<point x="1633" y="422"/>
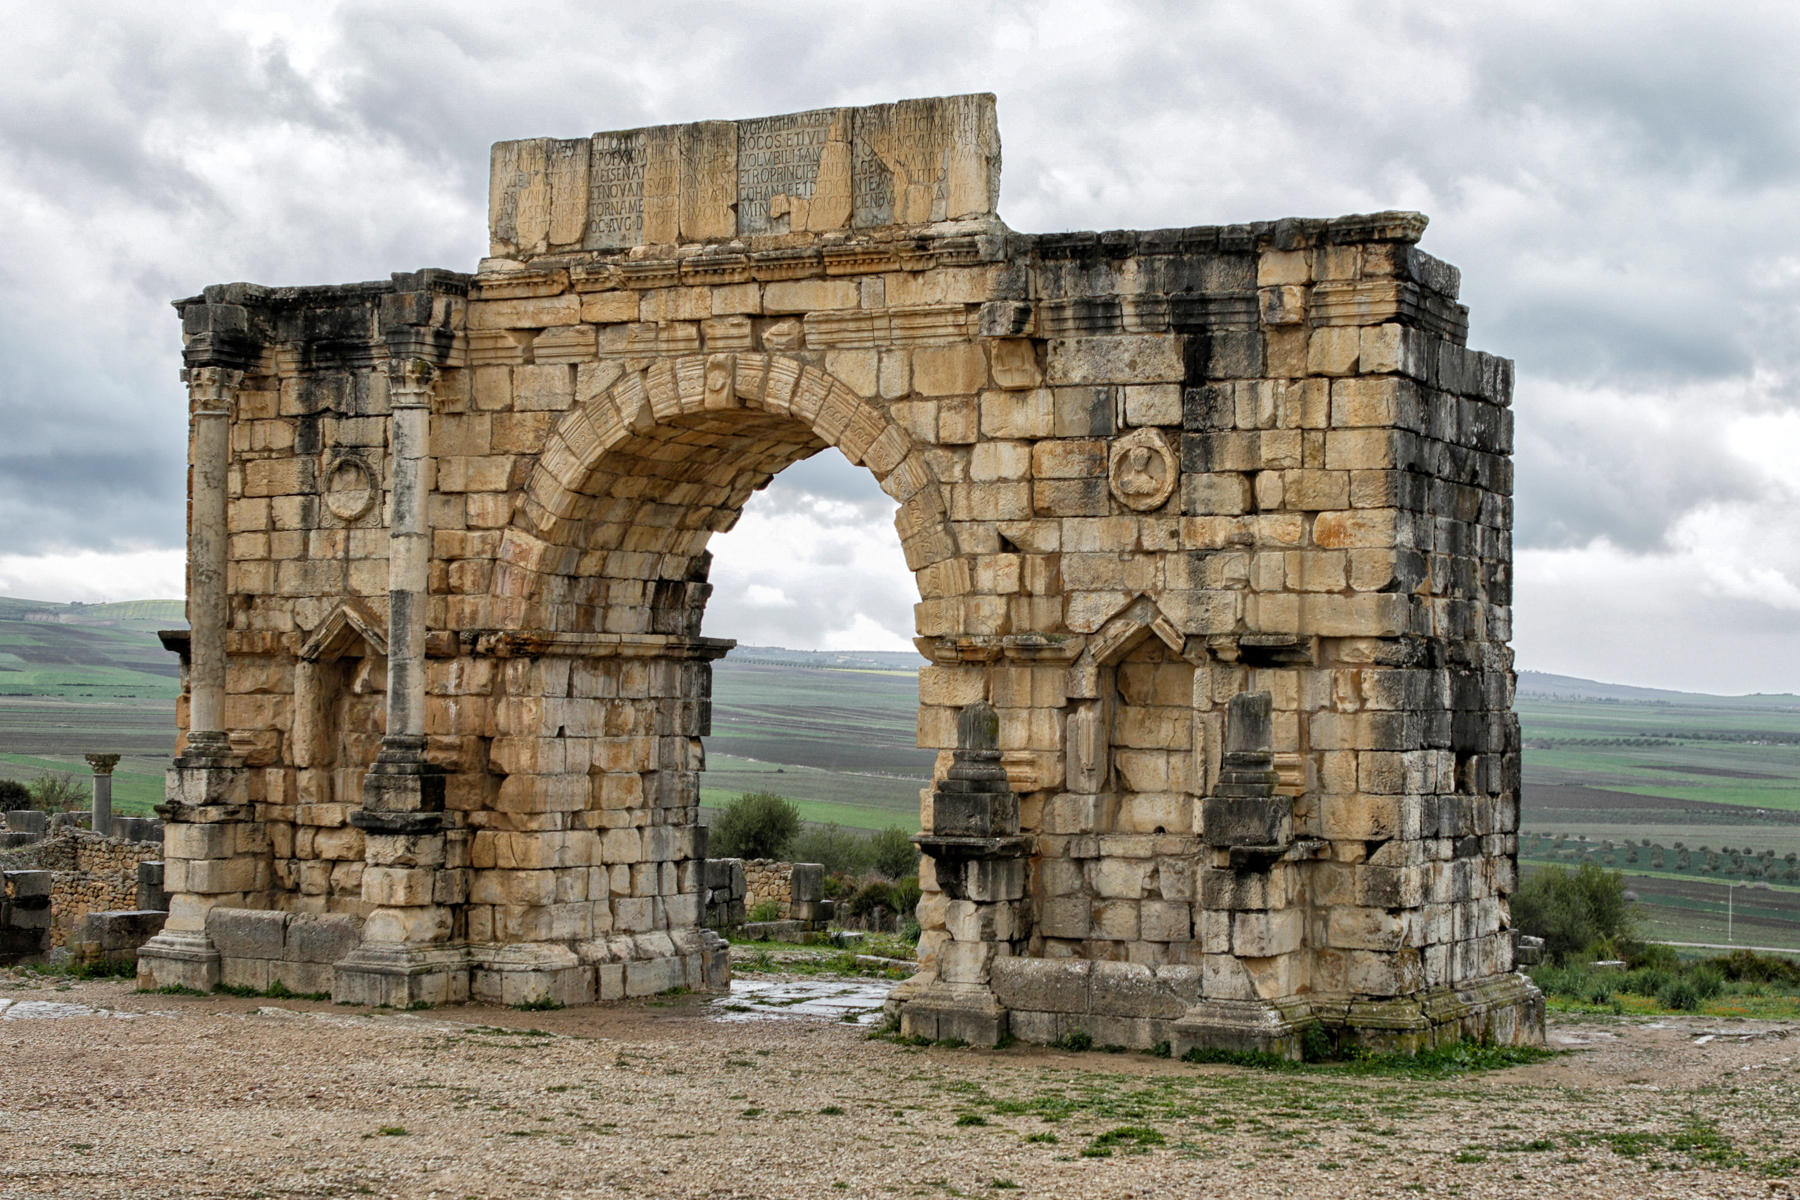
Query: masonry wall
<point x="88" y="873"/>
<point x="1140" y="477"/>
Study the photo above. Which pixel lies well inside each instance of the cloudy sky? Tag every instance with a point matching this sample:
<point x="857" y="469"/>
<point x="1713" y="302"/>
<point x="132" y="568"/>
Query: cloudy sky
<point x="1620" y="183"/>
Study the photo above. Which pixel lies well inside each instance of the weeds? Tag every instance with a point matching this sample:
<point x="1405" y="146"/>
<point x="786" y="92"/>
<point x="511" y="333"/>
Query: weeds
<point x="539" y="1004"/>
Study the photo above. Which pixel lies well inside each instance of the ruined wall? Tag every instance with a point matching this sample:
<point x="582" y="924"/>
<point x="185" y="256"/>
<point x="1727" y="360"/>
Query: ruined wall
<point x="88" y="873"/>
<point x="1210" y="528"/>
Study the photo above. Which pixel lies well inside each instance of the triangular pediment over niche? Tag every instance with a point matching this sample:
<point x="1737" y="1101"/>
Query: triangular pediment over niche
<point x="1127" y="628"/>
<point x="350" y="631"/>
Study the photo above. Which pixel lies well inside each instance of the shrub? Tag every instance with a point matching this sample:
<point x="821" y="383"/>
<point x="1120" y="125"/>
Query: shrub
<point x="1747" y="966"/>
<point x="906" y="895"/>
<point x="873" y="897"/>
<point x="1571" y="910"/>
<point x="1679" y="994"/>
<point x="764" y="910"/>
<point x="839" y="851"/>
<point x="57" y="791"/>
<point x="893" y="853"/>
<point x="755" y="825"/>
<point x="14" y="795"/>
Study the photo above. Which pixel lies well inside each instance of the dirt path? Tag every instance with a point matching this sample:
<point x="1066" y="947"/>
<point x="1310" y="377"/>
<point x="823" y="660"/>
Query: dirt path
<point x="156" y="1096"/>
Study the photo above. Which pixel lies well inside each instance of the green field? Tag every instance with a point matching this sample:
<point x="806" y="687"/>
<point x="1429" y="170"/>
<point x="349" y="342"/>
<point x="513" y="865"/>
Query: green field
<point x="1702" y="776"/>
<point x="1717" y="778"/>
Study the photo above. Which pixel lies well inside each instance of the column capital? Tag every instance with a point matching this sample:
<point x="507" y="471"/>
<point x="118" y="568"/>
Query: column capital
<point x="212" y="389"/>
<point x="103" y="764"/>
<point x="410" y="381"/>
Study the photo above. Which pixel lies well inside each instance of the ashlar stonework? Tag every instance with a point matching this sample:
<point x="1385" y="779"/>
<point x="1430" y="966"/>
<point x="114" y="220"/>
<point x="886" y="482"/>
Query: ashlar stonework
<point x="1211" y="530"/>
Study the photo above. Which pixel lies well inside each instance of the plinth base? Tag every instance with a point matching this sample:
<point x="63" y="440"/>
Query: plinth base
<point x="401" y="975"/>
<point x="941" y="1012"/>
<point x="178" y="959"/>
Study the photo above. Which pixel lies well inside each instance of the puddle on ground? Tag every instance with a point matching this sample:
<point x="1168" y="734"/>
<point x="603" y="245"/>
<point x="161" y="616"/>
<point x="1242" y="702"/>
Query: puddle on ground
<point x="28" y="1010"/>
<point x="855" y="1001"/>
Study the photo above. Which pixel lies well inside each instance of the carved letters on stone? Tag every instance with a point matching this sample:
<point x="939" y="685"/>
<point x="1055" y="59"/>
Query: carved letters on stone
<point x="1141" y="470"/>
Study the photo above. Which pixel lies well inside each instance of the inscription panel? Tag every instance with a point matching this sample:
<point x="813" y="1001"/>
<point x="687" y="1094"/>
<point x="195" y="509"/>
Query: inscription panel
<point x="908" y="163"/>
<point x="778" y="162"/>
<point x="616" y="191"/>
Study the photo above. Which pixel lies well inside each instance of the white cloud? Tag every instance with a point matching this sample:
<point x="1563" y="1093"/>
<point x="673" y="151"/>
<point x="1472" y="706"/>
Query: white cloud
<point x="94" y="576"/>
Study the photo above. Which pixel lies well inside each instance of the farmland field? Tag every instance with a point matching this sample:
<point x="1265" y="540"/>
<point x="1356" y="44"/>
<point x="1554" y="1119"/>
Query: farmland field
<point x="1706" y="791"/>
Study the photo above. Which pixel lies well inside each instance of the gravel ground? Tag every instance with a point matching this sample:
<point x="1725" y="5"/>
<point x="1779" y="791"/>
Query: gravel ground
<point x="152" y="1096"/>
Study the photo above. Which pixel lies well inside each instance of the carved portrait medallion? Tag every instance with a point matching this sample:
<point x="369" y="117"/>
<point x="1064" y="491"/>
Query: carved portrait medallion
<point x="1141" y="470"/>
<point x="350" y="488"/>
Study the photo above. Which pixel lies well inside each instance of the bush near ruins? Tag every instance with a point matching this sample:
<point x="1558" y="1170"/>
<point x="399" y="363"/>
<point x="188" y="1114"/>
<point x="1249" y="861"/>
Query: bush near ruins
<point x="14" y="795"/>
<point x="57" y="791"/>
<point x="755" y="825"/>
<point x="889" y="853"/>
<point x="894" y="853"/>
<point x="1574" y="910"/>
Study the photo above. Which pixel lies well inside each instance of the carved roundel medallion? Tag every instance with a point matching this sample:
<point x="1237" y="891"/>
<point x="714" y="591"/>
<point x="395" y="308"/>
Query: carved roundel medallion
<point x="350" y="488"/>
<point x="1141" y="470"/>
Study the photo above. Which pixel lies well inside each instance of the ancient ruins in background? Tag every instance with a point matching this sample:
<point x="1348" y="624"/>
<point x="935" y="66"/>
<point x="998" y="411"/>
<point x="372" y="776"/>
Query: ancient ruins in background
<point x="1211" y="530"/>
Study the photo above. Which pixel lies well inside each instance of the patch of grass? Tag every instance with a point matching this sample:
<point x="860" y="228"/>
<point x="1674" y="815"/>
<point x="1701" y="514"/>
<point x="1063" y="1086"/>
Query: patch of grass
<point x="539" y="1004"/>
<point x="1076" y="1040"/>
<point x="392" y="1131"/>
<point x="1133" y="1139"/>
<point x="831" y="1110"/>
<point x="1437" y="1063"/>
<point x="275" y="991"/>
<point x="102" y="968"/>
<point x="971" y="1119"/>
<point x="1042" y="1138"/>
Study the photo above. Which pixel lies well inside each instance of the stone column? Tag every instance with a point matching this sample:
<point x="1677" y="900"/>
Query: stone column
<point x="103" y="765"/>
<point x="211" y="391"/>
<point x="214" y="853"/>
<point x="411" y="872"/>
<point x="400" y="780"/>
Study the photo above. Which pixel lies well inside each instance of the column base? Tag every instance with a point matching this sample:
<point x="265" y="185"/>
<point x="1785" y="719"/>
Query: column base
<point x="941" y="1012"/>
<point x="1242" y="1027"/>
<point x="1505" y="1010"/>
<point x="402" y="976"/>
<point x="178" y="958"/>
<point x="537" y="974"/>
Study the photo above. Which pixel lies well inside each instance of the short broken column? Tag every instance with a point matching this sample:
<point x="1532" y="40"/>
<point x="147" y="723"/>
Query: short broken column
<point x="976" y="859"/>
<point x="103" y="765"/>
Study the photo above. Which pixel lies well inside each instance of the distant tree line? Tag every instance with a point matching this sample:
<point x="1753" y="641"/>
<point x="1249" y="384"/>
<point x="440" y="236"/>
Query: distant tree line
<point x="1729" y="862"/>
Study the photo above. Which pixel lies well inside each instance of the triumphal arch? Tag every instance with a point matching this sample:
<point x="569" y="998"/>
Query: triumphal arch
<point x="1211" y="531"/>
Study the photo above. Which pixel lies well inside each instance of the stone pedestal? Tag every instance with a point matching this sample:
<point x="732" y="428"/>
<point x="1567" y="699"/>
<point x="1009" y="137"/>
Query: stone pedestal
<point x="214" y="854"/>
<point x="408" y="955"/>
<point x="978" y="866"/>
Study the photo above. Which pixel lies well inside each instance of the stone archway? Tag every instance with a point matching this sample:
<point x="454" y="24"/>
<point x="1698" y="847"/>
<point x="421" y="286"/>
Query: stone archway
<point x="1211" y="532"/>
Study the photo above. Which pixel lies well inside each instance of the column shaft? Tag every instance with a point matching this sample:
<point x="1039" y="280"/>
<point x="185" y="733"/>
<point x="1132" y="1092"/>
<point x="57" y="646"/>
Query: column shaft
<point x="409" y="547"/>
<point x="210" y="394"/>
